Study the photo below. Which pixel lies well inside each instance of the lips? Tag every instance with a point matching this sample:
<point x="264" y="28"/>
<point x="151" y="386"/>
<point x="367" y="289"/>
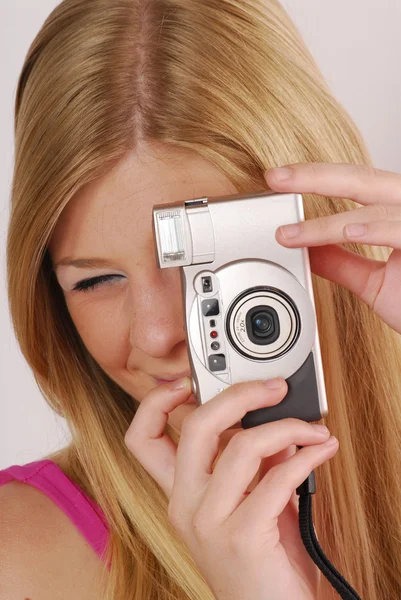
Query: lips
<point x="170" y="376"/>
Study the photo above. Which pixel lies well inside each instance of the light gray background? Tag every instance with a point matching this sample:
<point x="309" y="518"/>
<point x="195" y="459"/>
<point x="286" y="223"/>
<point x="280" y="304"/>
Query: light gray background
<point x="356" y="44"/>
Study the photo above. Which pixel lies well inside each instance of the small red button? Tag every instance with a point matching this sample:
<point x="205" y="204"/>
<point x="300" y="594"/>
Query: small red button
<point x="213" y="334"/>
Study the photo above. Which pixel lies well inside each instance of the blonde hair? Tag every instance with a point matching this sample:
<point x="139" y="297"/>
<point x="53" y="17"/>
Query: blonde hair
<point x="233" y="81"/>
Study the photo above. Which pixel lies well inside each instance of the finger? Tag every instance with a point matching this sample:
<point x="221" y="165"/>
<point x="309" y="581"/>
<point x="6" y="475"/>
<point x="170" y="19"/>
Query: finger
<point x="200" y="434"/>
<point x="241" y="460"/>
<point x="271" y="461"/>
<point x="362" y="276"/>
<point x="361" y="183"/>
<point x="330" y="230"/>
<point x="145" y="437"/>
<point x="379" y="233"/>
<point x="272" y="494"/>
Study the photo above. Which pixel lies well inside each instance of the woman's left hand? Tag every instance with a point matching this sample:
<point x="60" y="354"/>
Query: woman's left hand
<point x="378" y="223"/>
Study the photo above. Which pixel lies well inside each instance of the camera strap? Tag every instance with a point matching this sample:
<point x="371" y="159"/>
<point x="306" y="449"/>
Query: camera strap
<point x="311" y="543"/>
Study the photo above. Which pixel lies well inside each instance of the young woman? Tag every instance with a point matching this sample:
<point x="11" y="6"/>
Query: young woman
<point x="121" y="106"/>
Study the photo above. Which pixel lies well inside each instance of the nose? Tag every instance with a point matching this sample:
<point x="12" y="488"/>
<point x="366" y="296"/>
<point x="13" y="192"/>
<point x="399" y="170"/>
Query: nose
<point x="157" y="321"/>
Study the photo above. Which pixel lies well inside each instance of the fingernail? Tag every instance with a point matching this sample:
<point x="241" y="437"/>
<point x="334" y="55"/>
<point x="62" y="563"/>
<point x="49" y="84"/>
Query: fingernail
<point x="289" y="231"/>
<point x="355" y="230"/>
<point x="274" y="384"/>
<point x="179" y="384"/>
<point x="332" y="441"/>
<point x="282" y="173"/>
<point x="320" y="428"/>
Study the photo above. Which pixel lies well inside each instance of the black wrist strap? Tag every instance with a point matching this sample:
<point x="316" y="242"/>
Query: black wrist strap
<point x="309" y="539"/>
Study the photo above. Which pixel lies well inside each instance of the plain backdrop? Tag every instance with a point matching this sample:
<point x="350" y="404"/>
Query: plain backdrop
<point x="357" y="45"/>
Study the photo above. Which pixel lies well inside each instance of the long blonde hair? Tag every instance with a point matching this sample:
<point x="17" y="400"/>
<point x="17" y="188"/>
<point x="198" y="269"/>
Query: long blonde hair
<point x="233" y="81"/>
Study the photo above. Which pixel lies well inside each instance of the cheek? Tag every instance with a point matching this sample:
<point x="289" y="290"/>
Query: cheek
<point x="104" y="332"/>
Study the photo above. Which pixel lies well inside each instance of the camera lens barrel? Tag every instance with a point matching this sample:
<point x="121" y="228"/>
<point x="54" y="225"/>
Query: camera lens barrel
<point x="263" y="323"/>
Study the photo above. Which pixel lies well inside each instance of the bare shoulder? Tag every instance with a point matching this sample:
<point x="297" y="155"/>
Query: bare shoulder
<point x="42" y="553"/>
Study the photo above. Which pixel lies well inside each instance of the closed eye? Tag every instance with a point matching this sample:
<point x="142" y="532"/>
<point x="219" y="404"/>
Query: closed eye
<point x="89" y="284"/>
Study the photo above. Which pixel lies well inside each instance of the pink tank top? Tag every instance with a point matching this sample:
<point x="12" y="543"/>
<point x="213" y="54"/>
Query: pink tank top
<point x="86" y="515"/>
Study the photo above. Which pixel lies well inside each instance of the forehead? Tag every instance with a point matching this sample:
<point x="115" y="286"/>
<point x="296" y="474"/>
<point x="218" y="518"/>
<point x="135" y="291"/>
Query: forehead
<point x="105" y="214"/>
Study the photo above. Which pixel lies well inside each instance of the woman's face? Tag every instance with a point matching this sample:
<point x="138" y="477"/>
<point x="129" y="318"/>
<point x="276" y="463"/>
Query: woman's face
<point x="132" y="323"/>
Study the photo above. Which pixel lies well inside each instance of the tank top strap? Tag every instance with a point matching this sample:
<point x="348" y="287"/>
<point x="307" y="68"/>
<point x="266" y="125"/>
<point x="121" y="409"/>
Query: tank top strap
<point x="86" y="515"/>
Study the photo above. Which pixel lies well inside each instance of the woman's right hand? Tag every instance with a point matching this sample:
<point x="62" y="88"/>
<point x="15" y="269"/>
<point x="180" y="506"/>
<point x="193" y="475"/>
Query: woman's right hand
<point x="245" y="544"/>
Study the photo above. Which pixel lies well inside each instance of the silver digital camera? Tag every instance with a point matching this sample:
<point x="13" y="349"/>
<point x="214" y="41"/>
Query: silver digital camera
<point x="248" y="301"/>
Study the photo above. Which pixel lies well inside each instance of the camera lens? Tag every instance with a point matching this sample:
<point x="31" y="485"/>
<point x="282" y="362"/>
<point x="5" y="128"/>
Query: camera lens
<point x="261" y="324"/>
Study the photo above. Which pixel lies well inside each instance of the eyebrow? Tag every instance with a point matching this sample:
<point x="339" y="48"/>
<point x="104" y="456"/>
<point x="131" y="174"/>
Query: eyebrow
<point x="84" y="263"/>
